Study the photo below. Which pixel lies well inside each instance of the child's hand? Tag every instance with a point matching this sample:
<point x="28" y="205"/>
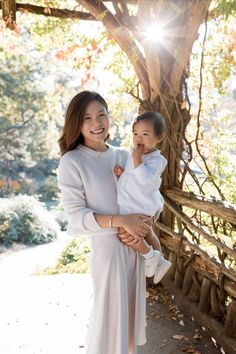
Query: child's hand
<point x="128" y="239"/>
<point x="137" y="155"/>
<point x="118" y="170"/>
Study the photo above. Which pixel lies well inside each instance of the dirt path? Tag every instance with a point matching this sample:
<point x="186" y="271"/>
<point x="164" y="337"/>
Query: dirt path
<point x="48" y="314"/>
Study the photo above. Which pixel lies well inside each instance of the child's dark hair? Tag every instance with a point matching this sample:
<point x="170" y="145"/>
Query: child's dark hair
<point x="155" y="118"/>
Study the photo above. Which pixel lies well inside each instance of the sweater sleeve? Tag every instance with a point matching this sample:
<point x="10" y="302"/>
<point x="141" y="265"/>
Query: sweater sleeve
<point x="148" y="172"/>
<point x="81" y="218"/>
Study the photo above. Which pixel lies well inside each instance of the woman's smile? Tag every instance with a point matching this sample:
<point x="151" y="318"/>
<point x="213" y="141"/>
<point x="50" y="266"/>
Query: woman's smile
<point x="98" y="131"/>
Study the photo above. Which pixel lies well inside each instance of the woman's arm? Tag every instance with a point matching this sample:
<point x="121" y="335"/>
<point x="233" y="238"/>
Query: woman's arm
<point x="81" y="218"/>
<point x="132" y="223"/>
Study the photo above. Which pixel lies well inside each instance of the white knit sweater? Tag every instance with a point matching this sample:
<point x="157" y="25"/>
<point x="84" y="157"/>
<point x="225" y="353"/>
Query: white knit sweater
<point x="88" y="185"/>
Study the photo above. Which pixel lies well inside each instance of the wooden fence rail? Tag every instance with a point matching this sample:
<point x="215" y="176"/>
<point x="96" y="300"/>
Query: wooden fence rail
<point x="202" y="250"/>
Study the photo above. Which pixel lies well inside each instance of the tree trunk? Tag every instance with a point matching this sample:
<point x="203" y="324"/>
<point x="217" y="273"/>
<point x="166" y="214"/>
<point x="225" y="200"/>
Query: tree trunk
<point x="9" y="12"/>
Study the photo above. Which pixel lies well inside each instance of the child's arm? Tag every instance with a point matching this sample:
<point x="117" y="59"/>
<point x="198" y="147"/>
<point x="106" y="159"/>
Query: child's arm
<point x="152" y="169"/>
<point x="137" y="243"/>
<point x="137" y="154"/>
<point x="153" y="240"/>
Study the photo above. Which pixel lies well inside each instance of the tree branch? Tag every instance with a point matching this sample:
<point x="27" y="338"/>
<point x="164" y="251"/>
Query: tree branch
<point x="150" y="48"/>
<point x="117" y="9"/>
<point x="195" y="15"/>
<point x="210" y="175"/>
<point x="52" y="12"/>
<point x="124" y="8"/>
<point x="9" y="13"/>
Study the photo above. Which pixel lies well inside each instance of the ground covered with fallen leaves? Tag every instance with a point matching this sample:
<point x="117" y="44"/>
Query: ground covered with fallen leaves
<point x="170" y="331"/>
<point x="46" y="314"/>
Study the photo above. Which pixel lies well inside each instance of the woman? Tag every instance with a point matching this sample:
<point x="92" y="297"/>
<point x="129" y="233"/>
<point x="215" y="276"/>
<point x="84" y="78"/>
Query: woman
<point x="88" y="186"/>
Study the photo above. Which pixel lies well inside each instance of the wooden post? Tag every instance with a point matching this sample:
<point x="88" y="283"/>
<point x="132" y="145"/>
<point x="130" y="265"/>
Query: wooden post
<point x="179" y="274"/>
<point x="171" y="272"/>
<point x="216" y="310"/>
<point x="230" y="322"/>
<point x="194" y="293"/>
<point x="9" y="13"/>
<point x="188" y="280"/>
<point x="204" y="302"/>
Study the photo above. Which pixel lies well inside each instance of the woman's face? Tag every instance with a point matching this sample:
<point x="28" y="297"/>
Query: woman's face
<point x="95" y="125"/>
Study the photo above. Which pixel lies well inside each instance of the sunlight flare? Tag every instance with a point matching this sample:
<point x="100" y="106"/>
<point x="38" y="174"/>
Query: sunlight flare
<point x="155" y="33"/>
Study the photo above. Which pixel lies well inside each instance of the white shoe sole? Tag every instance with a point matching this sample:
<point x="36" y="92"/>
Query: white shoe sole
<point x="161" y="270"/>
<point x="151" y="264"/>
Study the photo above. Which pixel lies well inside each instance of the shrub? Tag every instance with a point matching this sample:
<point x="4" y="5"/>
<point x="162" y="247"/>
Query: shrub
<point x="24" y="219"/>
<point x="74" y="259"/>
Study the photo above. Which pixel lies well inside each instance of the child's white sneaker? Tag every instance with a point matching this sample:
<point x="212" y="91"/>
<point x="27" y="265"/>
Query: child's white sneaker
<point x="151" y="264"/>
<point x="161" y="270"/>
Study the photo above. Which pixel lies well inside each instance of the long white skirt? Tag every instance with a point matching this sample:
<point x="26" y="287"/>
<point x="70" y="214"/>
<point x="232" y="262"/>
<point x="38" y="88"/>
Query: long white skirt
<point x="118" y="318"/>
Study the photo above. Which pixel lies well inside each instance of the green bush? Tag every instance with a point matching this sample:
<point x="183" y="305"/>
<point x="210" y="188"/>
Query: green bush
<point x="24" y="219"/>
<point x="74" y="259"/>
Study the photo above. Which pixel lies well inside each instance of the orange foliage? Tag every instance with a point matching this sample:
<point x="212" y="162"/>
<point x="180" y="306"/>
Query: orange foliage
<point x="14" y="184"/>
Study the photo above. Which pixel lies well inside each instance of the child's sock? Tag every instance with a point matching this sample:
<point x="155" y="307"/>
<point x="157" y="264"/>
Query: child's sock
<point x="149" y="254"/>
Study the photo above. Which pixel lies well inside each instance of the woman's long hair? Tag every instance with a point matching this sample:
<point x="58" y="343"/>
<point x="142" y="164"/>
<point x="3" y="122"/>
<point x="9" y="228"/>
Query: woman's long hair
<point x="71" y="135"/>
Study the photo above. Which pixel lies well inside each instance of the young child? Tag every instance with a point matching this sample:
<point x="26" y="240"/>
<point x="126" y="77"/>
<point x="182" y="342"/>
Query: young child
<point x="139" y="183"/>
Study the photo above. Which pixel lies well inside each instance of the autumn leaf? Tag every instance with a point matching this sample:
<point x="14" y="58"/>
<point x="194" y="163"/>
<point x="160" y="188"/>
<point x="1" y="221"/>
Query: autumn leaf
<point x="197" y="336"/>
<point x="178" y="336"/>
<point x="163" y="344"/>
<point x="94" y="45"/>
<point x="61" y="55"/>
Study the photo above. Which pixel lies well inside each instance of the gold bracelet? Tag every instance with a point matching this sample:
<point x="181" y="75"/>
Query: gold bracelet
<point x="110" y="221"/>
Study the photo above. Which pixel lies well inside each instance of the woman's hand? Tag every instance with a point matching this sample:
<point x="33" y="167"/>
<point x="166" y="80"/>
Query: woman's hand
<point x="134" y="224"/>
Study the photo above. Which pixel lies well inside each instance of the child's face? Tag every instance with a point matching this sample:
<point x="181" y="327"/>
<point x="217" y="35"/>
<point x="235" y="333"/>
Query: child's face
<point x="95" y="125"/>
<point x="144" y="135"/>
